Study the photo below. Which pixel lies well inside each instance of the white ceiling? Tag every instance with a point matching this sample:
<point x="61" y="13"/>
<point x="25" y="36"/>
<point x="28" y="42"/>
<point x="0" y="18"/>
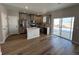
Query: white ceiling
<point x="40" y="8"/>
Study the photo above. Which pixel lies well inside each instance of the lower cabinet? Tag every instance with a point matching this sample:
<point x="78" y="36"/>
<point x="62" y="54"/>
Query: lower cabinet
<point x="45" y="30"/>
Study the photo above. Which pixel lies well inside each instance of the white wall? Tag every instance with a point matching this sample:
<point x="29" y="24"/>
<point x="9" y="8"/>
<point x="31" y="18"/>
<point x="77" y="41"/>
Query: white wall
<point x="13" y="17"/>
<point x="8" y="23"/>
<point x="0" y="50"/>
<point x="1" y="30"/>
<point x="3" y="24"/>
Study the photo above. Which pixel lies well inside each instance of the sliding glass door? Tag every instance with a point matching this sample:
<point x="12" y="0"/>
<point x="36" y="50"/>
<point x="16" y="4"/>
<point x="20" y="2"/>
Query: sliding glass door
<point x="66" y="27"/>
<point x="72" y="26"/>
<point x="56" y="27"/>
<point x="63" y="27"/>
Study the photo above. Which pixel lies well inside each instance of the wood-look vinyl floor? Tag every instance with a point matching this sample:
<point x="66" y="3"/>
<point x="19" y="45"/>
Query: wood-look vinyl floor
<point x="43" y="45"/>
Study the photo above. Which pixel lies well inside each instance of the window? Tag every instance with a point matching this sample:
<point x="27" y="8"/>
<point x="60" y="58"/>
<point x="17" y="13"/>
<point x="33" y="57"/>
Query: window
<point x="63" y="27"/>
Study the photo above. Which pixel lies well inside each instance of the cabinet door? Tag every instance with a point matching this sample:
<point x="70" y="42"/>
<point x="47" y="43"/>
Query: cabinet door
<point x="39" y="19"/>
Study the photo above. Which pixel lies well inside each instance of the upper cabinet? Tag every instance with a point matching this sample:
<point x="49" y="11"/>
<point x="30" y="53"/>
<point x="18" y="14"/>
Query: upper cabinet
<point x="39" y="19"/>
<point x="23" y="16"/>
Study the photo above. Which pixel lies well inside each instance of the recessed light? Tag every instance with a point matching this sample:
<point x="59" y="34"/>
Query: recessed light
<point x="59" y="3"/>
<point x="26" y="7"/>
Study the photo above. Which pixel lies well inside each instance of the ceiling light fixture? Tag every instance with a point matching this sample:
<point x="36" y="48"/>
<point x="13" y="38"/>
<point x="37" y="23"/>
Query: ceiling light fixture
<point x="26" y="7"/>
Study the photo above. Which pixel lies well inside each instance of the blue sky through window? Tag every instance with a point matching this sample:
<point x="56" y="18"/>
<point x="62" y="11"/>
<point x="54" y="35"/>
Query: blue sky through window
<point x="67" y="20"/>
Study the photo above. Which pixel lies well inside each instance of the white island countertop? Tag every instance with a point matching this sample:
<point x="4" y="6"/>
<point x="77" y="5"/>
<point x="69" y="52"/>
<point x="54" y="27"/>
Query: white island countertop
<point x="33" y="32"/>
<point x="32" y="28"/>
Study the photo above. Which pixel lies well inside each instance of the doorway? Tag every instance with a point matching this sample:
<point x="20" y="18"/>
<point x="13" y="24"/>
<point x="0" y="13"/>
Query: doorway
<point x="13" y="25"/>
<point x="63" y="27"/>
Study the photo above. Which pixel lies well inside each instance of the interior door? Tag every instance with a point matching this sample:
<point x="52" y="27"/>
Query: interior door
<point x="13" y="24"/>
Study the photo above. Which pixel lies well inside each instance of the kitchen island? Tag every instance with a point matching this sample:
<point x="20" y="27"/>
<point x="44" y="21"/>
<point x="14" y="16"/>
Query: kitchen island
<point x="33" y="32"/>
